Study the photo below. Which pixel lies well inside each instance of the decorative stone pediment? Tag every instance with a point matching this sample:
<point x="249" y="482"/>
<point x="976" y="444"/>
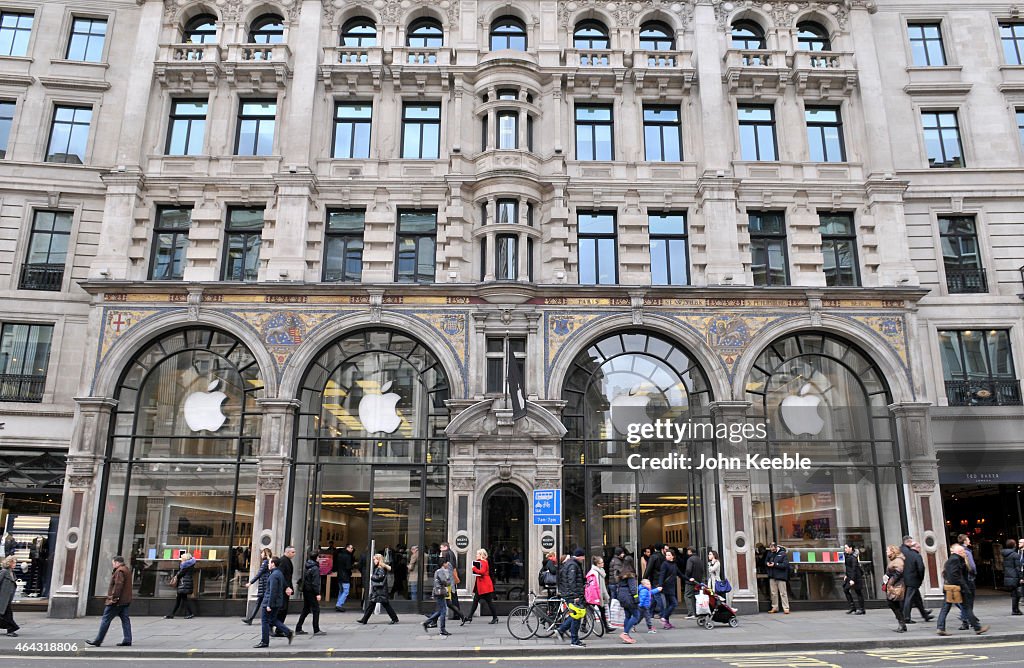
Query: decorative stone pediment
<point x="785" y="13"/>
<point x="490" y="418"/>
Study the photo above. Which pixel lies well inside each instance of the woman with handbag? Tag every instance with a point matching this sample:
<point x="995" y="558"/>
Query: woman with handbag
<point x="627" y="594"/>
<point x="483" y="588"/>
<point x="183" y="582"/>
<point x="261" y="577"/>
<point x="379" y="590"/>
<point x="549" y="574"/>
<point x="442" y="591"/>
<point x="895" y="589"/>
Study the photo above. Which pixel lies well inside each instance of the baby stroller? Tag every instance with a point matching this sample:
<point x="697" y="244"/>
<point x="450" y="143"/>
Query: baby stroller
<point x="716" y="611"/>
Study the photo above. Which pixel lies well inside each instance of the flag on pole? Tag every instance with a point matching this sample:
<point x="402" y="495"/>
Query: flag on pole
<point x="514" y="381"/>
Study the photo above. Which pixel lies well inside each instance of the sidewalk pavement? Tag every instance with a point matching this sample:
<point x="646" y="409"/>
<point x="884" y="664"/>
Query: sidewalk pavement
<point x="228" y="637"/>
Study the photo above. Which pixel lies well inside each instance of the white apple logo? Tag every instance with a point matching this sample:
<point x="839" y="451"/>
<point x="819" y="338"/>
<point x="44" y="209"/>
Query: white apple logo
<point x="629" y="408"/>
<point x="377" y="411"/>
<point x="799" y="412"/>
<point x="202" y="409"/>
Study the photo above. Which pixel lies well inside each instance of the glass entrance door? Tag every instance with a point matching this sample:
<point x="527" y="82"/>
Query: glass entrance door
<point x="504" y="532"/>
<point x="397" y="522"/>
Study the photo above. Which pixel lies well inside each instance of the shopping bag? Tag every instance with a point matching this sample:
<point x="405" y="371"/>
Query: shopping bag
<point x="703" y="603"/>
<point x="616" y="615"/>
<point x="379" y="610"/>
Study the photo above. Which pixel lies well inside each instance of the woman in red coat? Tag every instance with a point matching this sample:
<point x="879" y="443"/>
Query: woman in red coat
<point x="483" y="587"/>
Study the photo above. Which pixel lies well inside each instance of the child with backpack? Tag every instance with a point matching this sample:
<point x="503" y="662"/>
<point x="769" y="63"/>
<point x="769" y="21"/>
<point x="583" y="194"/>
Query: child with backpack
<point x="646" y="594"/>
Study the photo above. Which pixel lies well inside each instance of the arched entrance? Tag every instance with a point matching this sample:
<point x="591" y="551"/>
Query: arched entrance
<point x="505" y="520"/>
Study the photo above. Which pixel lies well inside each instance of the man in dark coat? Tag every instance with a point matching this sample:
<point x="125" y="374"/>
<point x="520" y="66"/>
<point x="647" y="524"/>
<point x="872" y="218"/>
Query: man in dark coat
<point x="1013" y="575"/>
<point x="571" y="584"/>
<point x="653" y="573"/>
<point x="777" y="564"/>
<point x="957" y="573"/>
<point x="692" y="574"/>
<point x="119" y="597"/>
<point x="343" y="563"/>
<point x="310" y="595"/>
<point x="614" y="569"/>
<point x="271" y="604"/>
<point x="853" y="583"/>
<point x="287" y="569"/>
<point x="913" y="578"/>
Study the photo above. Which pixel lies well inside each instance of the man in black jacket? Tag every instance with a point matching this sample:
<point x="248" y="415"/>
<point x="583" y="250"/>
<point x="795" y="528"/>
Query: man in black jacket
<point x="956" y="573"/>
<point x="343" y="563"/>
<point x="570" y="587"/>
<point x="853" y="583"/>
<point x="693" y="574"/>
<point x="913" y="578"/>
<point x="310" y="595"/>
<point x="288" y="571"/>
<point x="615" y="569"/>
<point x="653" y="573"/>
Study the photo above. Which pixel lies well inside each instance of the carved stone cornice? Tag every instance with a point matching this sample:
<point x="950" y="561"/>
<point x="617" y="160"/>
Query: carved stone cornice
<point x="627" y="13"/>
<point x="783" y="14"/>
<point x="391" y="11"/>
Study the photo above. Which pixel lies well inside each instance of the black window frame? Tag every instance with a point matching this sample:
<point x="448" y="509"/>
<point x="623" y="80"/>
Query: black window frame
<point x="196" y="26"/>
<point x="349" y="31"/>
<point x="243" y="233"/>
<point x="597" y="237"/>
<point x="421" y="122"/>
<point x="265" y="28"/>
<point x="260" y="120"/>
<point x="654" y="42"/>
<point x="423" y="30"/>
<point x="1019" y="114"/>
<point x="742" y="42"/>
<point x="6" y="124"/>
<point x="188" y="119"/>
<point x="829" y="247"/>
<point x="939" y="128"/>
<point x="677" y="124"/>
<point x="593" y="124"/>
<point x="591" y="25"/>
<point x="16" y="29"/>
<point x="758" y="123"/>
<point x="354" y="121"/>
<point x="1011" y="33"/>
<point x="47" y="276"/>
<point x="973" y="389"/>
<point x="925" y="41"/>
<point x="177" y="233"/>
<point x="347" y="238"/>
<point x="820" y="127"/>
<point x="963" y="276"/>
<point x="513" y="241"/>
<point x="511" y="28"/>
<point x="496" y="368"/>
<point x="673" y="263"/>
<point x="417" y="237"/>
<point x="812" y="36"/>
<point x="761" y="237"/>
<point x="76" y="36"/>
<point x="23" y="387"/>
<point x="73" y="123"/>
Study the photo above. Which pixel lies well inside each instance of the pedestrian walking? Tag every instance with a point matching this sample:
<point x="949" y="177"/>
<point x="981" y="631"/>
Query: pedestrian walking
<point x="9" y="585"/>
<point x="972" y="575"/>
<point x="183" y="582"/>
<point x="260" y="579"/>
<point x="596" y="590"/>
<point x="119" y="597"/>
<point x="669" y="579"/>
<point x="958" y="589"/>
<point x="414" y="572"/>
<point x="853" y="583"/>
<point x="895" y="588"/>
<point x="287" y="568"/>
<point x="343" y="563"/>
<point x="913" y="577"/>
<point x="777" y="563"/>
<point x="714" y="570"/>
<point x="652" y="572"/>
<point x="1013" y="575"/>
<point x="379" y="590"/>
<point x="441" y="592"/>
<point x="644" y="601"/>
<point x="694" y="575"/>
<point x="570" y="587"/>
<point x="453" y="603"/>
<point x="310" y="595"/>
<point x="548" y="577"/>
<point x="628" y="593"/>
<point x="271" y="605"/>
<point x="483" y="588"/>
<point x="614" y="569"/>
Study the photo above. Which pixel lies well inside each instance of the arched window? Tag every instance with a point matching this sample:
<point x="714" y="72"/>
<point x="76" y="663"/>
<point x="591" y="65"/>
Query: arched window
<point x="812" y="36"/>
<point x="201" y="30"/>
<point x="590" y="34"/>
<point x="359" y="31"/>
<point x="656" y="36"/>
<point x="267" y="29"/>
<point x="747" y="35"/>
<point x="425" y="32"/>
<point x="508" y="33"/>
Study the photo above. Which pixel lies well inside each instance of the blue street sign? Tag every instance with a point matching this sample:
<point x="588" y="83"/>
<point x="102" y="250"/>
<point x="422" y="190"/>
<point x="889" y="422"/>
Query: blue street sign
<point x="547" y="506"/>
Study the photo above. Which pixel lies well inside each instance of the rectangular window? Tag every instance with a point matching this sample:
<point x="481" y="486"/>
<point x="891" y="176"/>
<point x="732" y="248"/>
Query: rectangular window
<point x="825" y="134"/>
<point x="47" y="251"/>
<point x="69" y="135"/>
<point x="942" y="139"/>
<point x="343" y="246"/>
<point x="256" y="119"/>
<point x="768" y="248"/>
<point x="421" y="131"/>
<point x="594" y="132"/>
<point x="242" y="239"/>
<point x="757" y="132"/>
<point x="1012" y="35"/>
<point x="926" y="44"/>
<point x="1020" y="125"/>
<point x="669" y="261"/>
<point x="598" y="256"/>
<point x="839" y="248"/>
<point x="7" y="118"/>
<point x="352" y="130"/>
<point x="496" y="366"/>
<point x="15" y="29"/>
<point x="24" y="357"/>
<point x="417" y="247"/>
<point x="978" y="368"/>
<point x="187" y="128"/>
<point x="506" y="257"/>
<point x="961" y="258"/>
<point x="508" y="129"/>
<point x="86" y="41"/>
<point x="662" y="134"/>
<point x="170" y="243"/>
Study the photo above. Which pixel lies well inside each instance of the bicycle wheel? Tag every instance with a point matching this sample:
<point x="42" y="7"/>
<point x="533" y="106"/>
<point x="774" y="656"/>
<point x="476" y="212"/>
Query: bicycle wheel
<point x="546" y="618"/>
<point x="587" y="624"/>
<point x="519" y="623"/>
<point x="598" y="626"/>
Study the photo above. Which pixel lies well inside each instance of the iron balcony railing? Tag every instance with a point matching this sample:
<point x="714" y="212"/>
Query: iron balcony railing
<point x="42" y="277"/>
<point x="983" y="392"/>
<point x="20" y="387"/>
<point x="966" y="280"/>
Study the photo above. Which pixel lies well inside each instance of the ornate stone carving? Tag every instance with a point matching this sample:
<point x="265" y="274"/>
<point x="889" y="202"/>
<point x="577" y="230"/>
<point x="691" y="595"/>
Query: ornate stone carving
<point x="233" y="10"/>
<point x="271" y="482"/>
<point x="463" y="484"/>
<point x="391" y="11"/>
<point x="626" y="12"/>
<point x="923" y="486"/>
<point x="783" y="14"/>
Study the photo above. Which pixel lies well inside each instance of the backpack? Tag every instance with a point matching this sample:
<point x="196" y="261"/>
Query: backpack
<point x="592" y="593"/>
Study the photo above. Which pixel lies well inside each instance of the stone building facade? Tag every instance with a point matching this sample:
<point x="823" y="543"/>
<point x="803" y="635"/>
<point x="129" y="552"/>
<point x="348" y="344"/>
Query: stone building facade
<point x="306" y="205"/>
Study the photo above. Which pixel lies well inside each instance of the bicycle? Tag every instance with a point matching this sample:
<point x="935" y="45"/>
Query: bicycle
<point x="540" y="618"/>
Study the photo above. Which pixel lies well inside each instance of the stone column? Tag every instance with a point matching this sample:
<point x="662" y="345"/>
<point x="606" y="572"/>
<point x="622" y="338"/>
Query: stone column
<point x="287" y="260"/>
<point x="921" y="483"/>
<point x="719" y="226"/>
<point x="737" y="513"/>
<point x="76" y="530"/>
<point x="123" y="192"/>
